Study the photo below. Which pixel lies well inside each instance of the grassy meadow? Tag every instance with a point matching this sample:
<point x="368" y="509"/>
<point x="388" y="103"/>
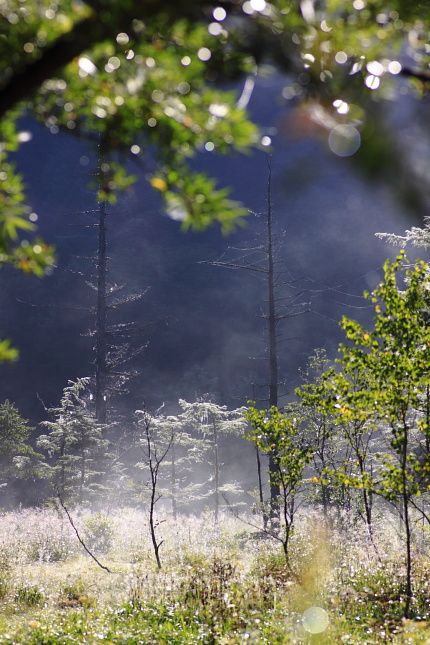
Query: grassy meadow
<point x="225" y="583"/>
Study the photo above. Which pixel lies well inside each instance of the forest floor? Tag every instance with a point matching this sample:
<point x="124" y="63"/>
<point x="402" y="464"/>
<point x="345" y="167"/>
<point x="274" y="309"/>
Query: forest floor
<point x="226" y="584"/>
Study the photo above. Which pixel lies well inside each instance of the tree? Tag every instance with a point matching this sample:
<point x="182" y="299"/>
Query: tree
<point x="85" y="44"/>
<point x="78" y="455"/>
<point x="185" y="452"/>
<point x="418" y="236"/>
<point x="16" y="455"/>
<point x="155" y="444"/>
<point x="140" y="75"/>
<point x="213" y="421"/>
<point x="115" y="342"/>
<point x="280" y="433"/>
<point x="263" y="258"/>
<point x="319" y="423"/>
<point x="392" y="360"/>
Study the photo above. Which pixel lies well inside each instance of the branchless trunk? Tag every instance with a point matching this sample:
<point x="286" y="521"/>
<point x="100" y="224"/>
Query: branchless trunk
<point x="260" y="489"/>
<point x="83" y="472"/>
<point x="273" y="351"/>
<point x="216" y="470"/>
<point x="101" y="320"/>
<point x="63" y="466"/>
<point x="406" y="520"/>
<point x="324" y="488"/>
<point x="260" y="480"/>
<point x="156" y="545"/>
<point x="367" y="501"/>
<point x="173" y="481"/>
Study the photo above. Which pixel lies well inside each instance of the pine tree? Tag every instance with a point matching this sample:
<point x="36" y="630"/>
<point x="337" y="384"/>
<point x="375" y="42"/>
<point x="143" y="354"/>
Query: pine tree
<point x="17" y="458"/>
<point x="78" y="455"/>
<point x="212" y="421"/>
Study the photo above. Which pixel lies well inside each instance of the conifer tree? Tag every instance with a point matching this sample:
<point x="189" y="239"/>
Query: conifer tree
<point x="17" y="458"/>
<point x="212" y="421"/>
<point x="78" y="454"/>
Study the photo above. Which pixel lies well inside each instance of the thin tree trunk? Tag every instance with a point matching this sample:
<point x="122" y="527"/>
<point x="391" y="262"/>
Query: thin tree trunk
<point x="324" y="490"/>
<point x="173" y="482"/>
<point x="405" y="503"/>
<point x="273" y="352"/>
<point x="216" y="473"/>
<point x="83" y="474"/>
<point x="101" y="320"/>
<point x="155" y="544"/>
<point x="260" y="488"/>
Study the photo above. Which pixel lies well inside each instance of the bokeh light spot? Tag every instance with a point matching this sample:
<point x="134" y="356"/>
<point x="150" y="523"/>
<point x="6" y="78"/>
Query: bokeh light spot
<point x="344" y="140"/>
<point x="204" y="54"/>
<point x="372" y="82"/>
<point x="86" y="66"/>
<point x="258" y="5"/>
<point x="315" y="620"/>
<point x="122" y="38"/>
<point x="394" y="67"/>
<point x="341" y="57"/>
<point x="219" y="13"/>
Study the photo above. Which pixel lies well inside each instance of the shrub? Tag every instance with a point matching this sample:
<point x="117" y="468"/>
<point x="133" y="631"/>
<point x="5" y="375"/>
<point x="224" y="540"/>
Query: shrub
<point x="99" y="532"/>
<point x="29" y="595"/>
<point x="75" y="595"/>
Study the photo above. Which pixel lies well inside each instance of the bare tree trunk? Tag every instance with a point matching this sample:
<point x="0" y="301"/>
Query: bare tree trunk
<point x="273" y="352"/>
<point x="173" y="481"/>
<point x="260" y="489"/>
<point x="156" y="545"/>
<point x="324" y="488"/>
<point x="216" y="473"/>
<point x="83" y="473"/>
<point x="405" y="504"/>
<point x="101" y="320"/>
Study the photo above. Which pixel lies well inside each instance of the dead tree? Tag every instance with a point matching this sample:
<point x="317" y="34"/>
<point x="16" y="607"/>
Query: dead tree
<point x="155" y="450"/>
<point x="284" y="300"/>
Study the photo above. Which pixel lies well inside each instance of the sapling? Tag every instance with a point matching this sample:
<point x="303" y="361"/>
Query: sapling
<point x="155" y="445"/>
<point x="393" y="358"/>
<point x="279" y="433"/>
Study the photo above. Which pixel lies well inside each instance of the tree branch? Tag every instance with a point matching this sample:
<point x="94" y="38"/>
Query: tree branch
<point x="69" y="517"/>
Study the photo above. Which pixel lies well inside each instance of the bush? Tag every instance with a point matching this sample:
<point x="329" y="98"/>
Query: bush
<point x="75" y="595"/>
<point x="99" y="532"/>
<point x="29" y="595"/>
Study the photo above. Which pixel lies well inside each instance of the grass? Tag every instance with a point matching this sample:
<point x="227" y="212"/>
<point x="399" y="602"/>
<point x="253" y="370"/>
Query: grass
<point x="223" y="584"/>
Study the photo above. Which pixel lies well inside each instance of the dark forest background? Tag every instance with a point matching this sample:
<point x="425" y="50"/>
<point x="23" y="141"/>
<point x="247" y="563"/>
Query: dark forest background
<point x="202" y="323"/>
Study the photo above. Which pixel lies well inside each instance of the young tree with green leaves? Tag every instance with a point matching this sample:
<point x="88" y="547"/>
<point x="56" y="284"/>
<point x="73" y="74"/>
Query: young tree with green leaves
<point x="391" y="361"/>
<point x="336" y="397"/>
<point x="280" y="433"/>
<point x="319" y="424"/>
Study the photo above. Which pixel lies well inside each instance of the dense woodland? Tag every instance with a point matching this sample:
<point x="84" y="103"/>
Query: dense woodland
<point x="266" y="505"/>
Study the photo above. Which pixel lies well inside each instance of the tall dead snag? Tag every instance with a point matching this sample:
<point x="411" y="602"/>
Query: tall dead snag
<point x="264" y="259"/>
<point x="101" y="320"/>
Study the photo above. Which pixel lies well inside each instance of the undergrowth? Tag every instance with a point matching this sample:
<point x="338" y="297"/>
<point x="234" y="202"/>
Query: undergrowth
<point x="211" y="589"/>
